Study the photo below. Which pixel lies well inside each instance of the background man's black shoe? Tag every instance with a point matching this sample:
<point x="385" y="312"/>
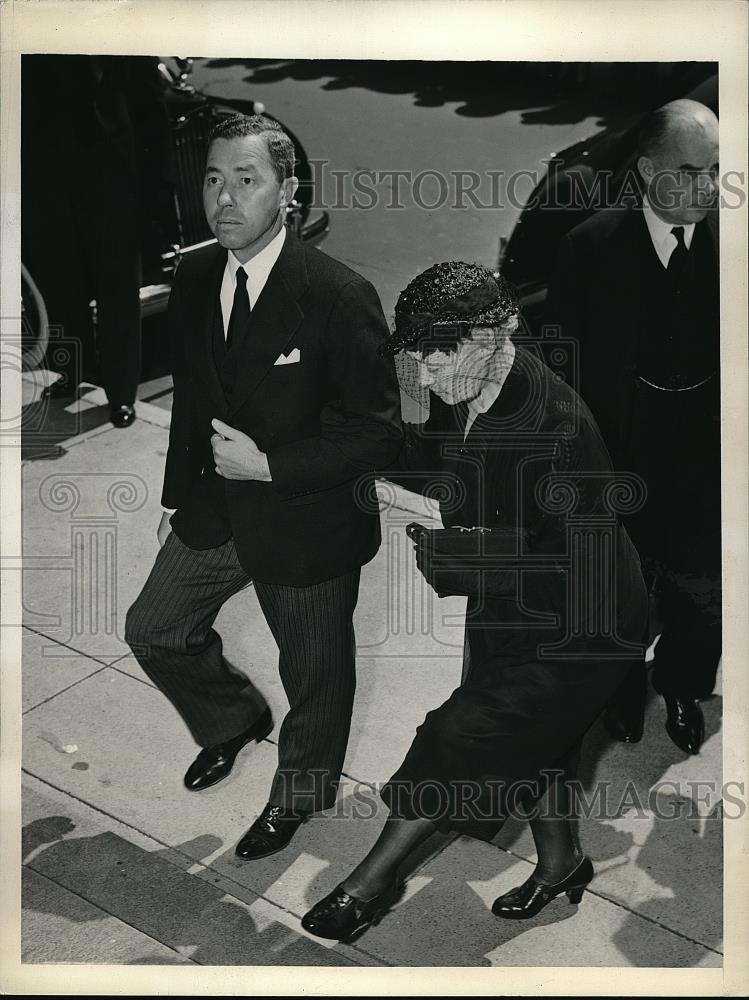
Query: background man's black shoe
<point x="685" y="723"/>
<point x="271" y="832"/>
<point x="214" y="763"/>
<point x="61" y="389"/>
<point x="624" y="717"/>
<point x="625" y="723"/>
<point x="121" y="416"/>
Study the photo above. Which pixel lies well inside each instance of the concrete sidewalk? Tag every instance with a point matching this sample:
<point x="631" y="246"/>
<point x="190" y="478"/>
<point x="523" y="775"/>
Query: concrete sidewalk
<point x="123" y="865"/>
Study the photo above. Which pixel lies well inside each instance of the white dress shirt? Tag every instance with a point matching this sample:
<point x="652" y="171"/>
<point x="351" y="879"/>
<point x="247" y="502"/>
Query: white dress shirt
<point x="493" y="387"/>
<point x="663" y="239"/>
<point x="258" y="268"/>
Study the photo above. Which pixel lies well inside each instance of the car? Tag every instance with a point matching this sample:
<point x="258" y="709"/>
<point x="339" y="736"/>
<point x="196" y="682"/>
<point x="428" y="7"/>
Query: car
<point x="585" y="177"/>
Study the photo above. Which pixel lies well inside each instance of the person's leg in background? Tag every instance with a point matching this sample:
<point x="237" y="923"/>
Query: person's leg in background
<point x="624" y="717"/>
<point x="53" y="251"/>
<point x="688" y="652"/>
<point x="689" y="649"/>
<point x="112" y="244"/>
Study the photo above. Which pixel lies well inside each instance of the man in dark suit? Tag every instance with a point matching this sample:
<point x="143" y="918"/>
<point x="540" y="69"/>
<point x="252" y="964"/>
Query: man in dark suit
<point x="97" y="168"/>
<point x="638" y="287"/>
<point x="282" y="411"/>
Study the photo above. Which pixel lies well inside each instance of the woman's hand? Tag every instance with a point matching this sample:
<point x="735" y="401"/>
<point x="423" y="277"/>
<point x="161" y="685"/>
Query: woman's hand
<point x="459" y="562"/>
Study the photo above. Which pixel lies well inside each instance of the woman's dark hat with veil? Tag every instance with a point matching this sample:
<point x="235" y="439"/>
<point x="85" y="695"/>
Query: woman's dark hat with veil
<point x="445" y="302"/>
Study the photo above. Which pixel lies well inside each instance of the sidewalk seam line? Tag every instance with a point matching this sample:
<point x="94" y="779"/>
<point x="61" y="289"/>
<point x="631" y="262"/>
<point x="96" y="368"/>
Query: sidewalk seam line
<point x="65" y="645"/>
<point x="97" y="809"/>
<point x="90" y="902"/>
<point x="119" y="659"/>
<point x="52" y="697"/>
<point x="125" y="673"/>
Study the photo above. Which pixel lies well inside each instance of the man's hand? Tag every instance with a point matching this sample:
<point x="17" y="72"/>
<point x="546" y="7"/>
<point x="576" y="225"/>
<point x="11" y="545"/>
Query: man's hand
<point x="164" y="528"/>
<point x="236" y="455"/>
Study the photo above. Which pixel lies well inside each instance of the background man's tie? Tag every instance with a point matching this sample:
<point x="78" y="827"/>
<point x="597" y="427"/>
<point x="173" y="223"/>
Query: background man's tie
<point x="679" y="255"/>
<point x="239" y="321"/>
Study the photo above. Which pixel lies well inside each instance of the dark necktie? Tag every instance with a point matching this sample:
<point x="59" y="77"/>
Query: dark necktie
<point x="239" y="321"/>
<point x="679" y="255"/>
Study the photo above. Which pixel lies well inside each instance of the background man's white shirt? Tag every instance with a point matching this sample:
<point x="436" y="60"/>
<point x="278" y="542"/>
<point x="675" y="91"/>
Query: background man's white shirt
<point x="663" y="239"/>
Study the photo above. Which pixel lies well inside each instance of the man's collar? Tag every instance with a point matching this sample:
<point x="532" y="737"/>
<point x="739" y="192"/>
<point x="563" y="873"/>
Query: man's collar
<point x="264" y="260"/>
<point x="660" y="231"/>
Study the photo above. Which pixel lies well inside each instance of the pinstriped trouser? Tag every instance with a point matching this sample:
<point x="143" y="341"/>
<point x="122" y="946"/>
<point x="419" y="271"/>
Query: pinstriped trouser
<point x="169" y="628"/>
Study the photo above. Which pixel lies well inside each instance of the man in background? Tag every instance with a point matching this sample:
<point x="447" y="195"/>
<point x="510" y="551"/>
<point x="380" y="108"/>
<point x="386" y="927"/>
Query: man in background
<point x="638" y="287"/>
<point x="97" y="168"/>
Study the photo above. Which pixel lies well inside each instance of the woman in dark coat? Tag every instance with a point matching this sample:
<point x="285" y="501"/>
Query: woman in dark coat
<point x="557" y="607"/>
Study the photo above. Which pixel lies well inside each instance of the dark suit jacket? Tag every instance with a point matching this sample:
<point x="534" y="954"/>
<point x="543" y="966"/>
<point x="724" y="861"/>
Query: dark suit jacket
<point x="537" y="427"/>
<point x="326" y="423"/>
<point x="596" y="296"/>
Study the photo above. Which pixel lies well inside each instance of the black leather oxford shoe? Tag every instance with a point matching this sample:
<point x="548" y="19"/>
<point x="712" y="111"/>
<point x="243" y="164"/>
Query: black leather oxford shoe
<point x="625" y="722"/>
<point x="342" y="917"/>
<point x="61" y="389"/>
<point x="685" y="723"/>
<point x="121" y="416"/>
<point x="271" y="832"/>
<point x="624" y="717"/>
<point x="214" y="763"/>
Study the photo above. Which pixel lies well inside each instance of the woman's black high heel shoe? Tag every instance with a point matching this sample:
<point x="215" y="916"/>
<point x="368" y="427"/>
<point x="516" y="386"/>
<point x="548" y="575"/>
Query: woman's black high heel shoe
<point x="344" y="918"/>
<point x="528" y="899"/>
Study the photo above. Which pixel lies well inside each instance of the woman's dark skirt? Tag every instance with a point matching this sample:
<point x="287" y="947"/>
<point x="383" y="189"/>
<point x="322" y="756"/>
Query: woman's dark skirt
<point x="513" y="725"/>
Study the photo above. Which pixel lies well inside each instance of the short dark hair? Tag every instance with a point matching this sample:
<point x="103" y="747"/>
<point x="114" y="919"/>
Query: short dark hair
<point x="280" y="145"/>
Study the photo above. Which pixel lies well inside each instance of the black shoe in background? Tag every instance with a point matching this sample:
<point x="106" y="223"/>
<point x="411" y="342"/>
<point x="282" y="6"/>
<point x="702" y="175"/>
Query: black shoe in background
<point x="122" y="416"/>
<point x="685" y="723"/>
<point x="61" y="389"/>
<point x="624" y="717"/>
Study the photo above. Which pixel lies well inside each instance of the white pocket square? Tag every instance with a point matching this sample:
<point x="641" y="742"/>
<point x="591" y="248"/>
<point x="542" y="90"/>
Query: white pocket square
<point x="288" y="359"/>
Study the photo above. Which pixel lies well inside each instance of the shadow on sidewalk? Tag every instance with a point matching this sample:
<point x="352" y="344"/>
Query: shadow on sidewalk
<point x="148" y="892"/>
<point x="665" y="832"/>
